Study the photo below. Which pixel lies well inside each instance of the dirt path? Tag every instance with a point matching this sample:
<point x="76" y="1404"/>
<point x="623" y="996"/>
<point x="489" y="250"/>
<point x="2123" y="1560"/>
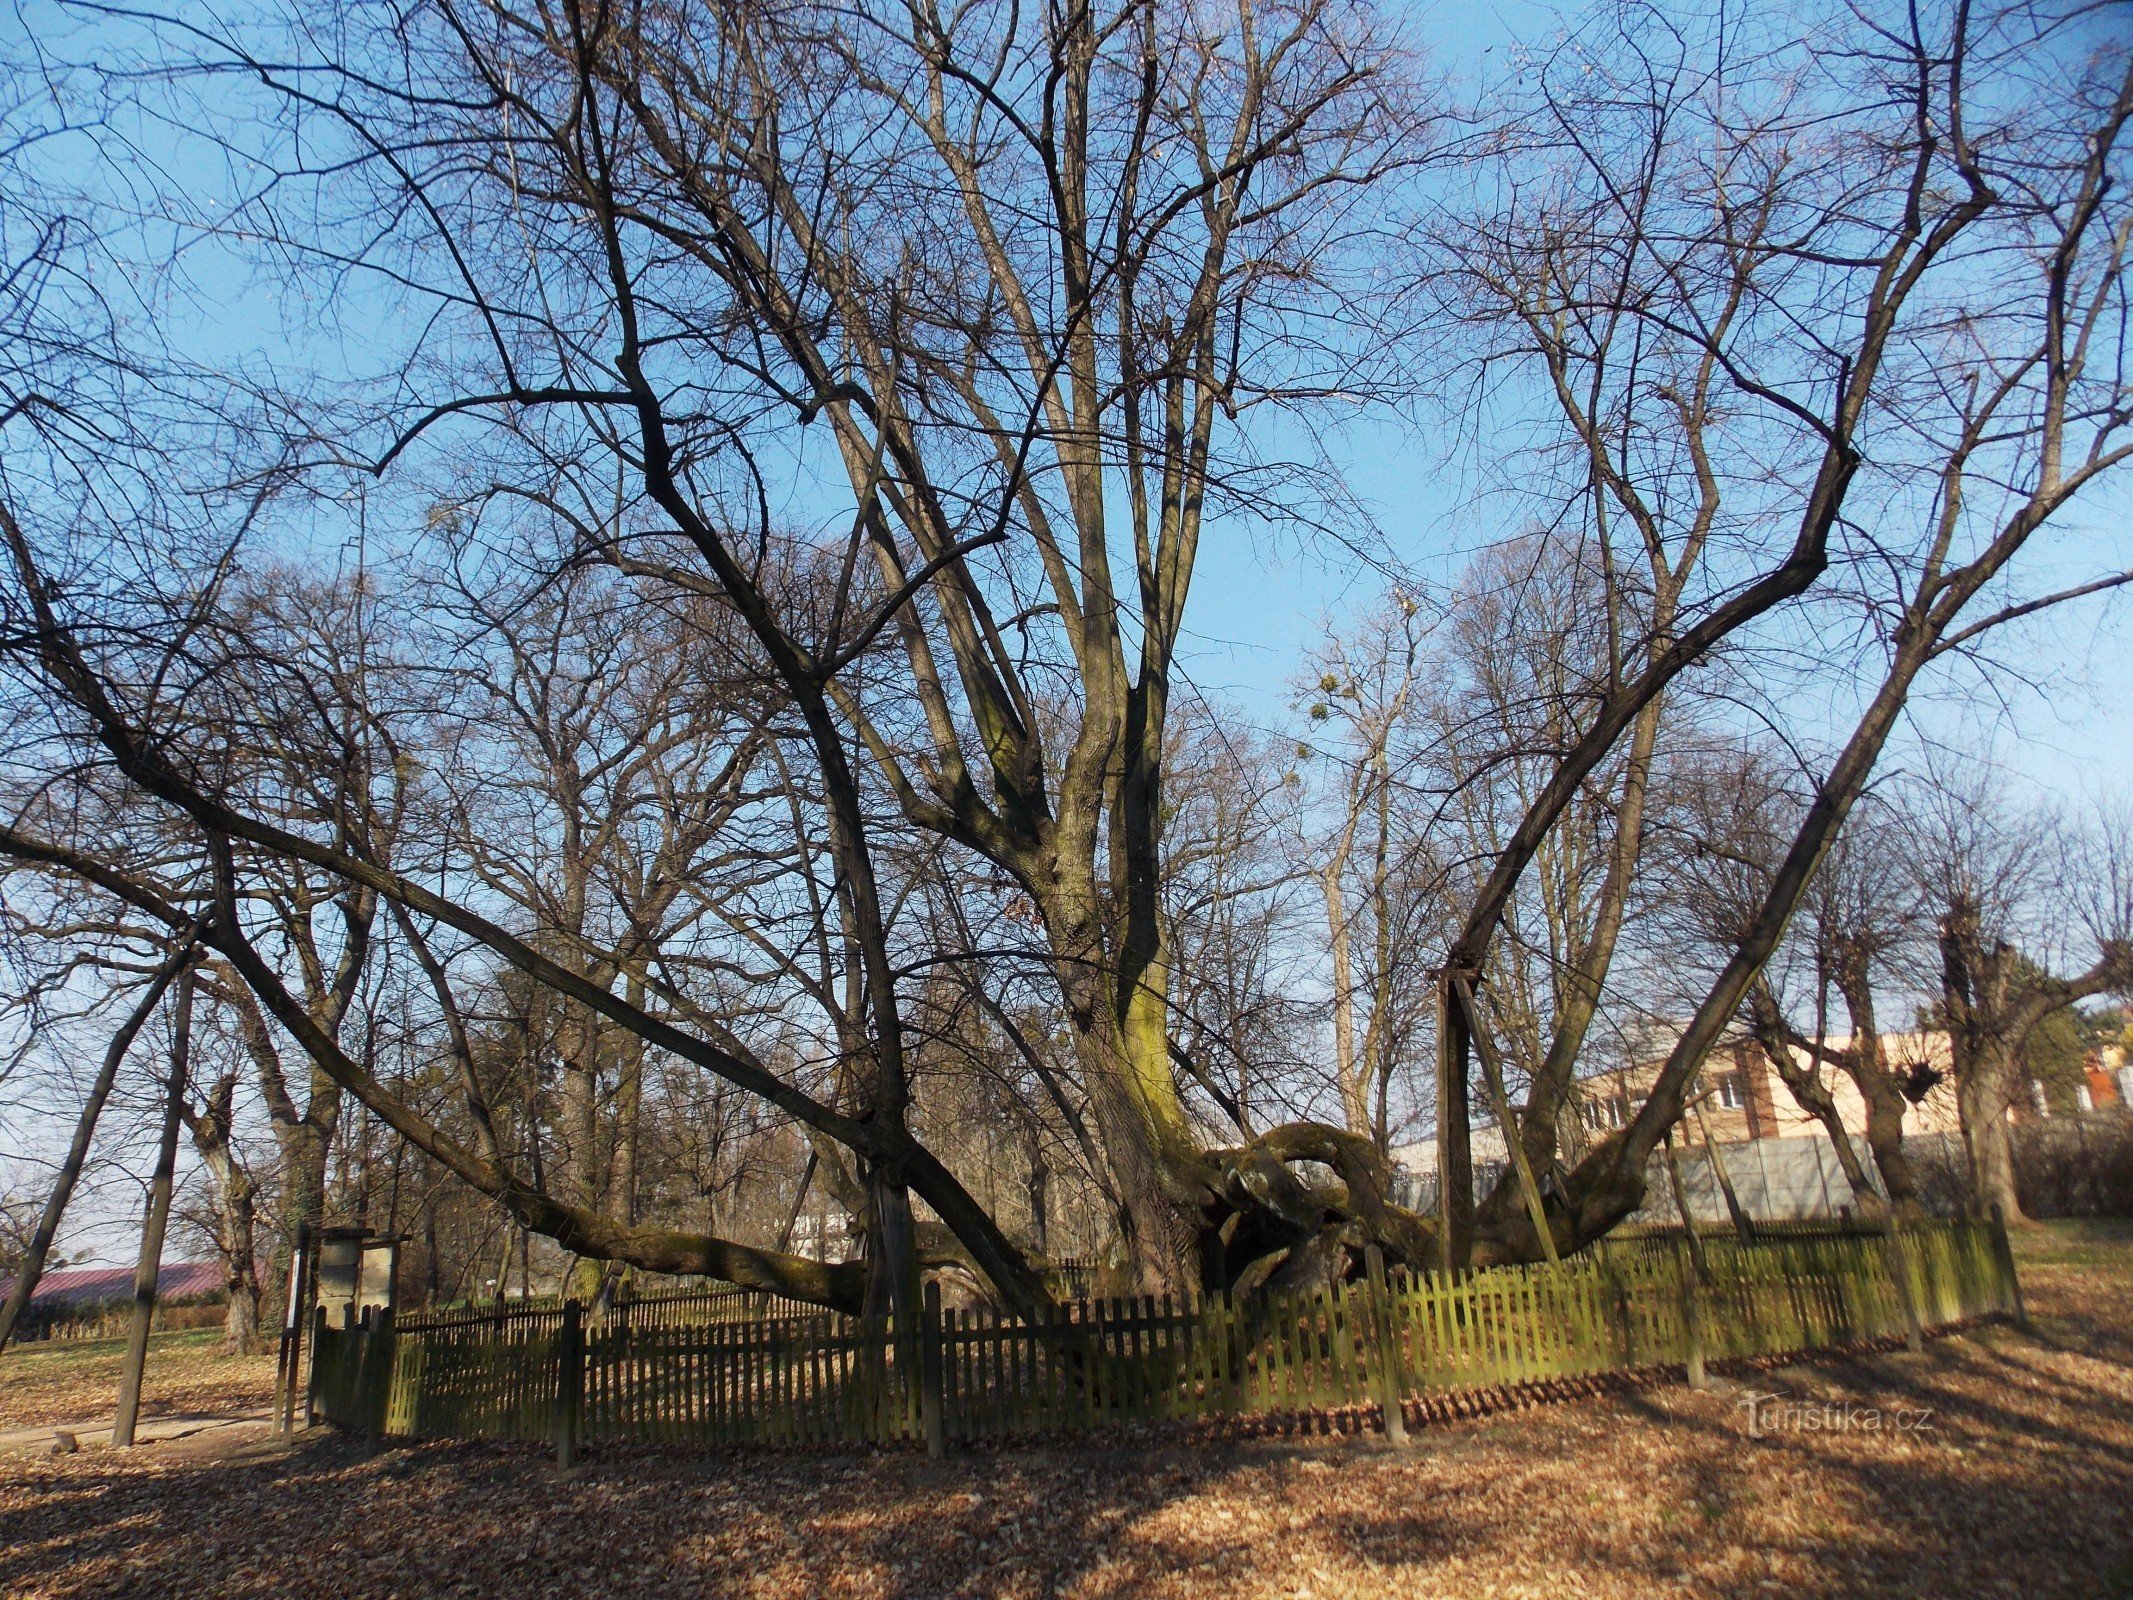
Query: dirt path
<point x="1999" y="1463"/>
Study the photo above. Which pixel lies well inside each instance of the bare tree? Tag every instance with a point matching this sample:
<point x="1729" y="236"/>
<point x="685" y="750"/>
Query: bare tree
<point x="1962" y="235"/>
<point x="1363" y="690"/>
<point x="1983" y="869"/>
<point x="1147" y="216"/>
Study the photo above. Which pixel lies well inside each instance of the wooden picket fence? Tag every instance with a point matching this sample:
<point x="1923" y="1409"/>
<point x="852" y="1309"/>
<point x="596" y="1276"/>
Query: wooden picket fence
<point x="682" y="1374"/>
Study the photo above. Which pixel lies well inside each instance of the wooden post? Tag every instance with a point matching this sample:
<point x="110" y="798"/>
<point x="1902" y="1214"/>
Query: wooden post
<point x="570" y="1386"/>
<point x="931" y="1414"/>
<point x="1691" y="1315"/>
<point x="292" y="1332"/>
<point x="2004" y="1251"/>
<point x="1743" y="1224"/>
<point x="1681" y="1204"/>
<point x="1385" y="1337"/>
<point x="150" y="1266"/>
<point x="311" y="1385"/>
<point x="374" y="1380"/>
<point x="1455" y="1154"/>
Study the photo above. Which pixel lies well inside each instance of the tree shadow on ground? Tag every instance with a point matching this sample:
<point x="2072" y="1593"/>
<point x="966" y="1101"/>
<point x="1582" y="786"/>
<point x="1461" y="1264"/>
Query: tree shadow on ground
<point x="1625" y="1495"/>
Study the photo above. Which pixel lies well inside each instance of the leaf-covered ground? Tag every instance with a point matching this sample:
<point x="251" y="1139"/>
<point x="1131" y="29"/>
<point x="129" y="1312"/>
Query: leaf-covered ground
<point x="2019" y="1484"/>
<point x="74" y="1380"/>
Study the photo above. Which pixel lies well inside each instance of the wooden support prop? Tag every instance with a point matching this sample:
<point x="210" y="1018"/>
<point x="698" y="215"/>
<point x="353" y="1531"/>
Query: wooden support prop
<point x="931" y="1415"/>
<point x="1385" y="1341"/>
<point x="1455" y="1152"/>
<point x="289" y="1352"/>
<point x="1691" y="1315"/>
<point x="1743" y="1224"/>
<point x="570" y="1386"/>
<point x="1681" y="1204"/>
<point x="374" y="1379"/>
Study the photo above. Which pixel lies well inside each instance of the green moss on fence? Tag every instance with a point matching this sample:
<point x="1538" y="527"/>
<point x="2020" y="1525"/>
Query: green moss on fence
<point x="690" y="1370"/>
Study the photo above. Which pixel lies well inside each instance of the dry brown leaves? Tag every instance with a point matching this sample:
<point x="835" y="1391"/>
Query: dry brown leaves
<point x="75" y="1381"/>
<point x="2020" y="1485"/>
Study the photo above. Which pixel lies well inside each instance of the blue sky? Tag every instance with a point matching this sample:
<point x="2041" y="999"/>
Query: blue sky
<point x="2059" y="719"/>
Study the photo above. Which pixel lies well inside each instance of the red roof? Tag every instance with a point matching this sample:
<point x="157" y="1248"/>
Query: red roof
<point x="88" y="1286"/>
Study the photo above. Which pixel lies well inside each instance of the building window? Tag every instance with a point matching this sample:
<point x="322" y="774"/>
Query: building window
<point x="1731" y="1094"/>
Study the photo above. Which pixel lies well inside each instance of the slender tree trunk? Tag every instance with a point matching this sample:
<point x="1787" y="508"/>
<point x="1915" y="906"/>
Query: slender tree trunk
<point x="150" y="1267"/>
<point x="1352" y="1074"/>
<point x="629" y="1110"/>
<point x="55" y="1206"/>
<point x="1799" y="1067"/>
<point x="1578" y="994"/>
<point x="1038" y="1190"/>
<point x="1806" y="1086"/>
<point x="1612" y="1180"/>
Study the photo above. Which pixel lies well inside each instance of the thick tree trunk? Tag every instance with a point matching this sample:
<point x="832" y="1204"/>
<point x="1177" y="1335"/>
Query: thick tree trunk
<point x="236" y="1213"/>
<point x="236" y="1219"/>
<point x="581" y="1105"/>
<point x="240" y="1257"/>
<point x="1151" y="1158"/>
<point x="1124" y="1053"/>
<point x="303" y="1147"/>
<point x="1038" y="1192"/>
<point x="1884" y="1140"/>
<point x="1983" y="1093"/>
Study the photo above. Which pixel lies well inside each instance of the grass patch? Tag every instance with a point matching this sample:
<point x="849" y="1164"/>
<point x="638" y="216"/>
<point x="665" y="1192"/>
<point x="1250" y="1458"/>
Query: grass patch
<point x="76" y="1380"/>
<point x="2084" y="1244"/>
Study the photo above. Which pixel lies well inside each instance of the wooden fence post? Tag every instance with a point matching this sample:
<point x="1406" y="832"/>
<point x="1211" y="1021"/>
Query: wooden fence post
<point x="570" y="1386"/>
<point x="1385" y="1337"/>
<point x="317" y="1374"/>
<point x="930" y="1364"/>
<point x="1691" y="1315"/>
<point x="2004" y="1251"/>
<point x="1914" y="1334"/>
<point x="374" y="1378"/>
